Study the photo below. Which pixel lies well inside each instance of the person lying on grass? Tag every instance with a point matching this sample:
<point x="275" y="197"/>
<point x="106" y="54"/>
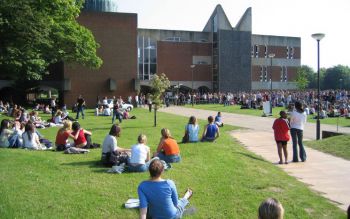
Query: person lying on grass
<point x="158" y="197"/>
<point x="211" y="130"/>
<point x="111" y="153"/>
<point x="168" y="149"/>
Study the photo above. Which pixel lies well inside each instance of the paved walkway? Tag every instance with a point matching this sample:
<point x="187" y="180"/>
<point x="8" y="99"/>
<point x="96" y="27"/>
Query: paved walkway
<point x="324" y="173"/>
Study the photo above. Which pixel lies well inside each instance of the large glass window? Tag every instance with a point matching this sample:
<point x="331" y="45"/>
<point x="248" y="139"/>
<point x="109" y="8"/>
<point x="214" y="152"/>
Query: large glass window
<point x="147" y="57"/>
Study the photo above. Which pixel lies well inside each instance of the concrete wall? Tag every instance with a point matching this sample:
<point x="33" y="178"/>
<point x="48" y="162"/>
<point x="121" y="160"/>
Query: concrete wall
<point x="162" y="35"/>
<point x="275" y="85"/>
<point x="117" y="35"/>
<point x="234" y="60"/>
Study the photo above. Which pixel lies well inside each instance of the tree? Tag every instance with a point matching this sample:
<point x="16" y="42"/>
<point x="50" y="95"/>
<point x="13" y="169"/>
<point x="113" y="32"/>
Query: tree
<point x="337" y="77"/>
<point x="35" y="34"/>
<point x="159" y="85"/>
<point x="302" y="77"/>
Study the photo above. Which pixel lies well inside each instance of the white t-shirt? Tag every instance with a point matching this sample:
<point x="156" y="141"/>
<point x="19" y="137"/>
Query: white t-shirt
<point x="31" y="143"/>
<point x="109" y="144"/>
<point x="139" y="153"/>
<point x="107" y="111"/>
<point x="297" y="120"/>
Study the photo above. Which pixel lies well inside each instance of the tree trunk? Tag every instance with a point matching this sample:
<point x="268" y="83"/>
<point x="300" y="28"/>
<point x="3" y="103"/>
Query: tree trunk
<point x="155" y="116"/>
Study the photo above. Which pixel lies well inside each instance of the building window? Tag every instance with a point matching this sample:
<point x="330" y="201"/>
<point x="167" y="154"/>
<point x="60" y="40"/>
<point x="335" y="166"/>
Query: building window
<point x="290" y="52"/>
<point x="284" y="74"/>
<point x="263" y="73"/>
<point x="265" y="51"/>
<point x="256" y="51"/>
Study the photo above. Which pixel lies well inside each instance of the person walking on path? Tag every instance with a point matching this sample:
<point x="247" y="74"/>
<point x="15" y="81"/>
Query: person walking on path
<point x="281" y="132"/>
<point x="297" y="123"/>
<point x="80" y="106"/>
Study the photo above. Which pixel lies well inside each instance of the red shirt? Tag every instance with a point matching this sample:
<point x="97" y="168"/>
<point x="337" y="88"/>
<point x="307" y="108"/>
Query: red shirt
<point x="61" y="137"/>
<point x="281" y="129"/>
<point x="81" y="138"/>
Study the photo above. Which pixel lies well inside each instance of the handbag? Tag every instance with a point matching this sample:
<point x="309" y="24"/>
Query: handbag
<point x="186" y="137"/>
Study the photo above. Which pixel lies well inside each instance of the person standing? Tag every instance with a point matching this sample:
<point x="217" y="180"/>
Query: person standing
<point x="80" y="106"/>
<point x="281" y="129"/>
<point x="53" y="106"/>
<point x="297" y="122"/>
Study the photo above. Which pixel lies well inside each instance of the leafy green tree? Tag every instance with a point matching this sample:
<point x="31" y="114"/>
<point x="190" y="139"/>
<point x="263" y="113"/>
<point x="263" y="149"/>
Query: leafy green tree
<point x="302" y="77"/>
<point x="337" y="77"/>
<point x="159" y="85"/>
<point x="35" y="34"/>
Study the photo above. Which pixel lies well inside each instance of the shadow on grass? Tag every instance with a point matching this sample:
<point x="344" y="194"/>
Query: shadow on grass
<point x="91" y="164"/>
<point x="251" y="156"/>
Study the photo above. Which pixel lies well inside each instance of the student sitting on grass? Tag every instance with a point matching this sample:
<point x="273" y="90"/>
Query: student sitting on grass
<point x="218" y="120"/>
<point x="5" y="133"/>
<point x="158" y="197"/>
<point x="111" y="153"/>
<point x="31" y="138"/>
<point x="80" y="136"/>
<point x="211" y="131"/>
<point x="62" y="142"/>
<point x="168" y="149"/>
<point x="281" y="132"/>
<point x="270" y="209"/>
<point x="140" y="154"/>
<point x="191" y="131"/>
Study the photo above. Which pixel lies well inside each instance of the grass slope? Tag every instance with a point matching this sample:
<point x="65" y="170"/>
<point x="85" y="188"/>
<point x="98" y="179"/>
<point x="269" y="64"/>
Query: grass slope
<point x="255" y="112"/>
<point x="228" y="181"/>
<point x="337" y="145"/>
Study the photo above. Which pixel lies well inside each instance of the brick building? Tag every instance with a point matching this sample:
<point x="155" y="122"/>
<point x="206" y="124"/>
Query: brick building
<point x="218" y="58"/>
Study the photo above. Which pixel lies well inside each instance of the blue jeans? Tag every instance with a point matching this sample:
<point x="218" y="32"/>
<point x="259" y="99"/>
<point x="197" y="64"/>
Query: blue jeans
<point x="181" y="204"/>
<point x="137" y="168"/>
<point x="169" y="158"/>
<point x="118" y="116"/>
<point x="80" y="109"/>
<point x="297" y="138"/>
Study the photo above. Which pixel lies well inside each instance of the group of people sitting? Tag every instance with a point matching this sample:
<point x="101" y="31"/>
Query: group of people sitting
<point x="210" y="132"/>
<point x="137" y="158"/>
<point x="14" y="134"/>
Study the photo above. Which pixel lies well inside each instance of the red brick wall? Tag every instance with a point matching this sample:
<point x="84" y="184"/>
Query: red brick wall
<point x="276" y="73"/>
<point x="174" y="59"/>
<point x="117" y="35"/>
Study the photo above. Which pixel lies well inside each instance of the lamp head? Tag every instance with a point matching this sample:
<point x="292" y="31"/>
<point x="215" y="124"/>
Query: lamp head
<point x="271" y="55"/>
<point x="318" y="36"/>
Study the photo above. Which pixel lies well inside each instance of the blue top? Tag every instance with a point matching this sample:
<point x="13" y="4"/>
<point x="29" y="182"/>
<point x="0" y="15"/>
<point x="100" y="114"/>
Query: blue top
<point x="211" y="131"/>
<point x="161" y="198"/>
<point x="192" y="132"/>
<point x="218" y="119"/>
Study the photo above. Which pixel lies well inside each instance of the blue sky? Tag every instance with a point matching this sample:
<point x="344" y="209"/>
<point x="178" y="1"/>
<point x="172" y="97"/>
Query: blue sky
<point x="299" y="18"/>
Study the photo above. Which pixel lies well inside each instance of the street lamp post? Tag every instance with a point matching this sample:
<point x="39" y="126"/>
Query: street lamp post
<point x="271" y="55"/>
<point x="192" y="68"/>
<point x="318" y="37"/>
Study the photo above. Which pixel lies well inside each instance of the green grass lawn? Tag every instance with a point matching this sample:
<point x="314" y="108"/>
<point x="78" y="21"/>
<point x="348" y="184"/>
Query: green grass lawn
<point x="228" y="181"/>
<point x="275" y="111"/>
<point x="337" y="145"/>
